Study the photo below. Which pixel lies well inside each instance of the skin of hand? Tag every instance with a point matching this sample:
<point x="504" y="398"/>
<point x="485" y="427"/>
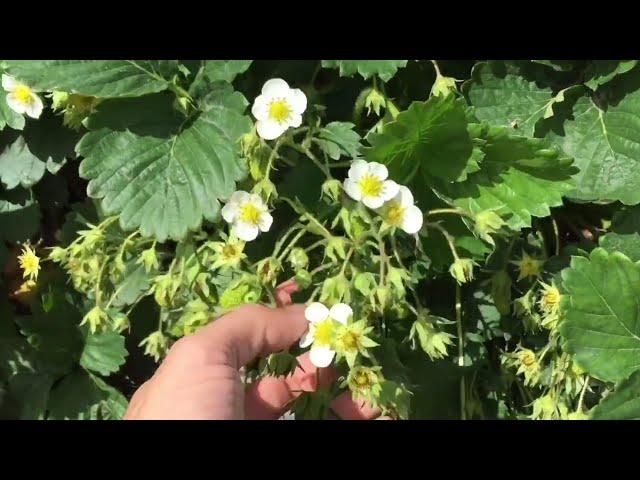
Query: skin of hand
<point x="199" y="379"/>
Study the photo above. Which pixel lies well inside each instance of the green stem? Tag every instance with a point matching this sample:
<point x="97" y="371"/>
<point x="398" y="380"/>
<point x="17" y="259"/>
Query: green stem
<point x="463" y="395"/>
<point x="584" y="389"/>
<point x="435" y="65"/>
<point x="447" y="236"/>
<point x="291" y="244"/>
<point x="556" y="234"/>
<point x="454" y="211"/>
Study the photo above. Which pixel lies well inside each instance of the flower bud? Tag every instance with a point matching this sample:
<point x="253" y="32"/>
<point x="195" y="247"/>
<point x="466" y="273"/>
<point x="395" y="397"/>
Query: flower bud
<point x="486" y="223"/>
<point x="462" y="270"/>
<point x="332" y="189"/>
<point x="298" y="258"/>
<point x="443" y="86"/>
<point x="58" y="254"/>
<point x="374" y="101"/>
<point x="149" y="259"/>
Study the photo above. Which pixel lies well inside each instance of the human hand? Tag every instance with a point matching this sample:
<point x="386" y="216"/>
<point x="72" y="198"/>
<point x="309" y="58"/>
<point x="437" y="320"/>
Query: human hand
<point x="199" y="378"/>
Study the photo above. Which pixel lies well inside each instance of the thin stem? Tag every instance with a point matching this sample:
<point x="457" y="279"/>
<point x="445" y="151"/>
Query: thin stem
<point x="280" y="242"/>
<point x="99" y="279"/>
<point x="584" y="389"/>
<point x="273" y="155"/>
<point x="556" y="234"/>
<point x="463" y="396"/>
<point x="313" y="246"/>
<point x="435" y="65"/>
<point x="455" y="211"/>
<point x="291" y="244"/>
<point x="311" y="156"/>
<point x="447" y="237"/>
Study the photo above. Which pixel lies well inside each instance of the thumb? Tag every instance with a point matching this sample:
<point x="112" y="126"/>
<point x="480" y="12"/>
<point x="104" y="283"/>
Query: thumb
<point x="251" y="331"/>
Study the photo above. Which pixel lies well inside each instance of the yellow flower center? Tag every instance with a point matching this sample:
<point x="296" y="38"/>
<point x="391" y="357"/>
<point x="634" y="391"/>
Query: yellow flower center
<point x="230" y="251"/>
<point x="362" y="380"/>
<point x="279" y="110"/>
<point x="24" y="94"/>
<point x="530" y="268"/>
<point x="395" y="213"/>
<point x="528" y="358"/>
<point x="370" y="186"/>
<point x="551" y="298"/>
<point x="350" y="340"/>
<point x="249" y="213"/>
<point x="324" y="332"/>
<point x="30" y="263"/>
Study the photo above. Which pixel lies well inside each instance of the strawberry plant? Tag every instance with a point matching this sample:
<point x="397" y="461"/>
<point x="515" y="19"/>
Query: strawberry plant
<point x="465" y="234"/>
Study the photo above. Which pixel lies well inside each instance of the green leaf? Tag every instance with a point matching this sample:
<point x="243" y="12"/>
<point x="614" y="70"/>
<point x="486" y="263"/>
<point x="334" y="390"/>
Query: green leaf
<point x="601" y="314"/>
<point x="500" y="96"/>
<point x="98" y="78"/>
<point x="54" y="150"/>
<point x="429" y="138"/>
<point x="600" y="72"/>
<point x="19" y="215"/>
<point x="114" y="405"/>
<point x="385" y="69"/>
<point x="166" y="185"/>
<point x="225" y="70"/>
<point x="135" y="283"/>
<point x="519" y="178"/>
<point x="31" y="391"/>
<point x="9" y="118"/>
<point x="339" y="138"/>
<point x="559" y="65"/>
<point x="82" y="396"/>
<point x="104" y="353"/>
<point x="623" y="403"/>
<point x="627" y="244"/>
<point x="625" y="233"/>
<point x="606" y="149"/>
<point x="18" y="166"/>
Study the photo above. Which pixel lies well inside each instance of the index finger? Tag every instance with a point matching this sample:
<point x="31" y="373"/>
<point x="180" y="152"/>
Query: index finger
<point x="251" y="331"/>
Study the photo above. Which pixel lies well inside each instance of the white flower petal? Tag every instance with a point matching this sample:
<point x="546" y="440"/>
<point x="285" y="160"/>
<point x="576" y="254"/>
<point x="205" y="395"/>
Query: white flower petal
<point x="257" y="201"/>
<point x="378" y="170"/>
<point x="307" y="337"/>
<point x="295" y="120"/>
<point x="260" y="108"/>
<point x="373" y="202"/>
<point x="245" y="231"/>
<point x="34" y="109"/>
<point x="389" y="190"/>
<point x="9" y="83"/>
<point x="352" y="189"/>
<point x="358" y="169"/>
<point x="297" y="100"/>
<point x="270" y="130"/>
<point x="15" y="105"/>
<point x="239" y="196"/>
<point x="265" y="221"/>
<point x="230" y="212"/>
<point x="276" y="87"/>
<point x="316" y="312"/>
<point x="404" y="196"/>
<point x="411" y="219"/>
<point x="341" y="312"/>
<point x="321" y="356"/>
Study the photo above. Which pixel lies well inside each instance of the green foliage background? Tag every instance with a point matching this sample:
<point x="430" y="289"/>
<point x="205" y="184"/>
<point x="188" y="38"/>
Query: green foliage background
<point x="552" y="148"/>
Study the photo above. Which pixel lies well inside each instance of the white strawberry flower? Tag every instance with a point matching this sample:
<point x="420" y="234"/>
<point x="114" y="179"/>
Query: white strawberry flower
<point x="21" y="98"/>
<point x="323" y="324"/>
<point x="277" y="108"/>
<point x="401" y="212"/>
<point x="247" y="214"/>
<point x="367" y="182"/>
